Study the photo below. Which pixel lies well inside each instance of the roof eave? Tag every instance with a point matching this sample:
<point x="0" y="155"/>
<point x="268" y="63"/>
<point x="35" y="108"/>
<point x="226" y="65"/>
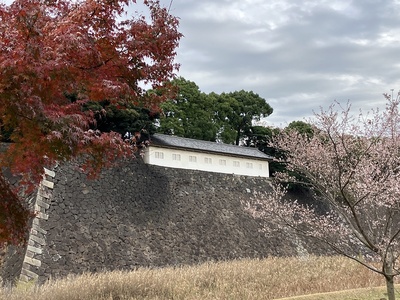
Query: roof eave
<point x="212" y="151"/>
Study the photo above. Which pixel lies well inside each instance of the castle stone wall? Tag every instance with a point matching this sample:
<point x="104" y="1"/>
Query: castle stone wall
<point x="136" y="215"/>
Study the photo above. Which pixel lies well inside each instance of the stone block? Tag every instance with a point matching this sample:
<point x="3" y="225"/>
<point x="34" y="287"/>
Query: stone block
<point x="39" y="229"/>
<point x="47" y="183"/>
<point x="45" y="195"/>
<point x="43" y="204"/>
<point x="43" y="216"/>
<point x="34" y="249"/>
<point x="32" y="261"/>
<point x="29" y="274"/>
<point x="38" y="240"/>
<point x="24" y="278"/>
<point x="37" y="208"/>
<point x="49" y="172"/>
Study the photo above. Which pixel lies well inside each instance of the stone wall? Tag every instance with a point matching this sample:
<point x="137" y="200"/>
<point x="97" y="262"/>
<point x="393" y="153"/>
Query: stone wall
<point x="140" y="215"/>
<point x="18" y="261"/>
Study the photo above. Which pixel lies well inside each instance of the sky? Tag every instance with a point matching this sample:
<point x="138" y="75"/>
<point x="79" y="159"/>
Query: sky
<point x="299" y="55"/>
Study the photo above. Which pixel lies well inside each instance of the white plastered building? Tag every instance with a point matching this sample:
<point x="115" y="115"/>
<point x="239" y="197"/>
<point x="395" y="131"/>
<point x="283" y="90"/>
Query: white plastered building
<point x="183" y="153"/>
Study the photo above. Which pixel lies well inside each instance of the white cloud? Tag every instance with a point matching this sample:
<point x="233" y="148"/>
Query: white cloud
<point x="298" y="55"/>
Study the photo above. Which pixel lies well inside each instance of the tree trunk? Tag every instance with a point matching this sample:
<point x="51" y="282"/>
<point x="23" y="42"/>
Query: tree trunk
<point x="389" y="273"/>
<point x="390" y="287"/>
<point x="237" y="137"/>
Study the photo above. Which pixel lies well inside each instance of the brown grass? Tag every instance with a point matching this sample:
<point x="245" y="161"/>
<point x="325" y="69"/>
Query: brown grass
<point x="270" y="278"/>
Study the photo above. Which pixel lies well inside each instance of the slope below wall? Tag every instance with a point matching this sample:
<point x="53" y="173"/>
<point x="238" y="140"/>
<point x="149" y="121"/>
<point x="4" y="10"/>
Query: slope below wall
<point x="140" y="215"/>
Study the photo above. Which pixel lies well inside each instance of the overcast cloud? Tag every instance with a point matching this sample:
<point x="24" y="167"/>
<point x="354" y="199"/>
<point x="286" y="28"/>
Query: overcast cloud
<point x="298" y="55"/>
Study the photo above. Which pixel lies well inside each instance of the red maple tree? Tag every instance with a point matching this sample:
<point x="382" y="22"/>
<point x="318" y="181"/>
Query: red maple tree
<point x="55" y="56"/>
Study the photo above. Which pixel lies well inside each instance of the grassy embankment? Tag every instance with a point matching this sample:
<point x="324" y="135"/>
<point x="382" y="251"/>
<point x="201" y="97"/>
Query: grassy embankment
<point x="271" y="278"/>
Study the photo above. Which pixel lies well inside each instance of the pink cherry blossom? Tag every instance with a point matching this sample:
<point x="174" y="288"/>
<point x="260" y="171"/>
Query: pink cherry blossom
<point x="352" y="165"/>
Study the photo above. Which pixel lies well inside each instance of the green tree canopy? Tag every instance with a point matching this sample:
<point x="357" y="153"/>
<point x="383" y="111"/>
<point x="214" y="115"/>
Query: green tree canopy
<point x="302" y="128"/>
<point x="237" y="112"/>
<point x="227" y="117"/>
<point x="190" y="114"/>
<point x="122" y="118"/>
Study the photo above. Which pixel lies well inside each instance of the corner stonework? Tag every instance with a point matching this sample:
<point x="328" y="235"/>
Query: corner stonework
<point x="37" y="235"/>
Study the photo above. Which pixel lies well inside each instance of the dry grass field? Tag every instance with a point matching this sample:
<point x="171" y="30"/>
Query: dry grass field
<point x="271" y="278"/>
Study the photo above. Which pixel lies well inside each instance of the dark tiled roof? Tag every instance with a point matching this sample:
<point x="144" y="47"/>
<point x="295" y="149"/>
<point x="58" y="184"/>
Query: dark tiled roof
<point x="171" y="141"/>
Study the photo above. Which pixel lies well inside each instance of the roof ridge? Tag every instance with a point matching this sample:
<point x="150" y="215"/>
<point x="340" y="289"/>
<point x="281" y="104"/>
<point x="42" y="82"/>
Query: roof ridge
<point x="201" y="145"/>
<point x="204" y="141"/>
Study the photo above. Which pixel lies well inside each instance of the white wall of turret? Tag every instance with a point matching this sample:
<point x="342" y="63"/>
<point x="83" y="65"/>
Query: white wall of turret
<point x="203" y="161"/>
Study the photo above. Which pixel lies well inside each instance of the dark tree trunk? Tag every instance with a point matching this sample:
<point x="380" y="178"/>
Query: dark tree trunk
<point x="390" y="287"/>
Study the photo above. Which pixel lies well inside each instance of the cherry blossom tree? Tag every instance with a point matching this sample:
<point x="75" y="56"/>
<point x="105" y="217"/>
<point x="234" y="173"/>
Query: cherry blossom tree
<point x="352" y="165"/>
<point x="57" y="55"/>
